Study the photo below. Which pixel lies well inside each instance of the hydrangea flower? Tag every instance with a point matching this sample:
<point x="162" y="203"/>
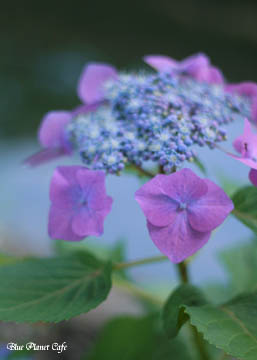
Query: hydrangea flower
<point x="52" y="135"/>
<point x="249" y="89"/>
<point x="132" y="118"/>
<point x="198" y="66"/>
<point x="79" y="203"/>
<point x="181" y="211"/>
<point x="246" y="146"/>
<point x="92" y="80"/>
<point x="156" y="117"/>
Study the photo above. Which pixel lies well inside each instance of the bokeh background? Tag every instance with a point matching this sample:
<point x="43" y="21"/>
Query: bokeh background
<point x="44" y="46"/>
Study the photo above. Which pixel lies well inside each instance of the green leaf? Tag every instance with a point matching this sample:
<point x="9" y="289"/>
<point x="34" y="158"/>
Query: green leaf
<point x="115" y="253"/>
<point x="245" y="201"/>
<point x="132" y="338"/>
<point x="53" y="289"/>
<point x="173" y="314"/>
<point x="218" y="293"/>
<point x="126" y="338"/>
<point x="9" y="259"/>
<point x="231" y="327"/>
<point x="241" y="263"/>
<point x="171" y="349"/>
<point x="24" y="354"/>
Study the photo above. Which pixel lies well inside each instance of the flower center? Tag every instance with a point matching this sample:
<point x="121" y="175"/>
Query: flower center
<point x="83" y="202"/>
<point x="182" y="206"/>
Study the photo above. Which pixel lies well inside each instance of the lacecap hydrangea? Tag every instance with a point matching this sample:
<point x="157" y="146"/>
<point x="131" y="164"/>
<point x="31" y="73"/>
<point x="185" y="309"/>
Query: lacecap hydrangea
<point x="136" y="118"/>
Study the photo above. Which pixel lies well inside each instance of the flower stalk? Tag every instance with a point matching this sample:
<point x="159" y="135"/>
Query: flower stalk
<point x="197" y="338"/>
<point x="150" y="260"/>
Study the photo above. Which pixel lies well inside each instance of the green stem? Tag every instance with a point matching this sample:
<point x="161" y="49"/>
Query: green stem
<point x="143" y="171"/>
<point x="150" y="260"/>
<point x="197" y="338"/>
<point x="137" y="291"/>
<point x="183" y="273"/>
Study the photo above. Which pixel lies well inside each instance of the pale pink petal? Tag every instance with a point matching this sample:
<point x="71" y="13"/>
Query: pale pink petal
<point x="253" y="176"/>
<point x="209" y="211"/>
<point x="249" y="162"/>
<point x="88" y="223"/>
<point x="79" y="200"/>
<point x="44" y="156"/>
<point x="246" y="145"/>
<point x="92" y="184"/>
<point x="183" y="186"/>
<point x="64" y="189"/>
<point x="178" y="240"/>
<point x="161" y="63"/>
<point x="210" y="74"/>
<point x="247" y="141"/>
<point x="160" y="197"/>
<point x="192" y="64"/>
<point x="60" y="224"/>
<point x="84" y="109"/>
<point x="158" y="207"/>
<point x="254" y="109"/>
<point x="92" y="80"/>
<point x="51" y="131"/>
<point x="238" y="145"/>
<point x="215" y="76"/>
<point x="247" y="88"/>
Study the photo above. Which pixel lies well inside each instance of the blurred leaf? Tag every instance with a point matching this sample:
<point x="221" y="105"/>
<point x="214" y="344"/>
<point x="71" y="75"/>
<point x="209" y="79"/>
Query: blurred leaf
<point x="200" y="166"/>
<point x="21" y="354"/>
<point x="173" y="315"/>
<point x="245" y="200"/>
<point x="231" y="327"/>
<point x="7" y="259"/>
<point x="126" y="338"/>
<point x="118" y="251"/>
<point x="228" y="185"/>
<point x="218" y="293"/>
<point x="241" y="263"/>
<point x="171" y="349"/>
<point x="131" y="338"/>
<point x="53" y="289"/>
<point x="104" y="252"/>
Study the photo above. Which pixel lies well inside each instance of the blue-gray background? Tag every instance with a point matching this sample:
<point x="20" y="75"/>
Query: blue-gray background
<point x="43" y="48"/>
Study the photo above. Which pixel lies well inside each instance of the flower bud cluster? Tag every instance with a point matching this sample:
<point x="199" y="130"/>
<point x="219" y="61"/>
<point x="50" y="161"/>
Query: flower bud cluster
<point x="156" y="118"/>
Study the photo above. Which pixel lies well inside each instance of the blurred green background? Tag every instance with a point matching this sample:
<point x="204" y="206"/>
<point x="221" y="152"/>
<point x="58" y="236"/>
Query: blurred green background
<point x="45" y="44"/>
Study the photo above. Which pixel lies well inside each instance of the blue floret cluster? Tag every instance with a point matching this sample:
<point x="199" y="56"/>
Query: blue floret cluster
<point x="157" y="118"/>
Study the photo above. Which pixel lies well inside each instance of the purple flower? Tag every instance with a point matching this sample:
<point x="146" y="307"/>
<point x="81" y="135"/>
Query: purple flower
<point x="92" y="80"/>
<point x="198" y="66"/>
<point x="181" y="211"/>
<point x="249" y="89"/>
<point x="52" y="138"/>
<point x="246" y="146"/>
<point x="52" y="129"/>
<point x="79" y="203"/>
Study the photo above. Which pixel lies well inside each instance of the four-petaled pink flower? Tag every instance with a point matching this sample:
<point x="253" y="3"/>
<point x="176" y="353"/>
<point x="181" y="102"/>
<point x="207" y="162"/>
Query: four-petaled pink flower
<point x="79" y="203"/>
<point x="52" y="129"/>
<point x="246" y="146"/>
<point x="198" y="66"/>
<point x="181" y="211"/>
<point x="249" y="89"/>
